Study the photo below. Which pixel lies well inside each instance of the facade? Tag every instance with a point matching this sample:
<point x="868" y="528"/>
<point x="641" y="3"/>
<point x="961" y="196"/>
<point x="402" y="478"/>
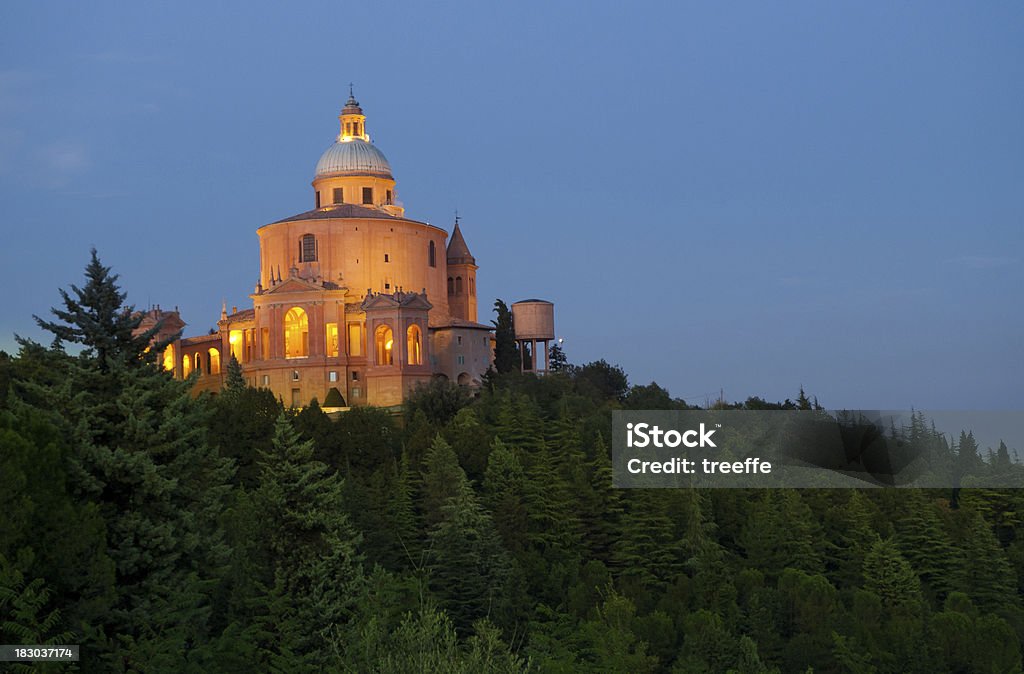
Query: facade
<point x="352" y="295"/>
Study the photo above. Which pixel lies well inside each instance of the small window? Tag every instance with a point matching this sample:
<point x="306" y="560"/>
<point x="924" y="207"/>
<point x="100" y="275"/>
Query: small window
<point x="307" y="248"/>
<point x="431" y="254"/>
<point x="318" y="198"/>
<point x="266" y="380"/>
<point x="295" y="375"/>
<point x="339" y="195"/>
<point x="388" y="200"/>
<point x="356" y="392"/>
<point x="462" y="360"/>
<point x="296" y="398"/>
<point x="332" y="376"/>
<point x="355" y="376"/>
<point x="387" y="286"/>
<point x="459" y="338"/>
<point x="458" y="285"/>
<point x="387" y="258"/>
<point x="451" y="286"/>
<point x="367" y="195"/>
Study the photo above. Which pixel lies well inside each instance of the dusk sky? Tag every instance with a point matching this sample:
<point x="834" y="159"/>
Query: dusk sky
<point x="726" y="196"/>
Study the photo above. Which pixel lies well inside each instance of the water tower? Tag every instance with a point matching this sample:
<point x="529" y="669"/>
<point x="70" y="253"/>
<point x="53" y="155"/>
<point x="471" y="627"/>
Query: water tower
<point x="533" y="321"/>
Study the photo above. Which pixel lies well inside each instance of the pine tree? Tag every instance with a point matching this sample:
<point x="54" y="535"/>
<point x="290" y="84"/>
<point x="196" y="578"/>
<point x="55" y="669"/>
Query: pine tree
<point x="468" y="567"/>
<point x="889" y="576"/>
<point x="138" y="450"/>
<point x="925" y="543"/>
<point x="97" y="318"/>
<point x="441" y="477"/>
<point x="314" y="567"/>
<point x="503" y="493"/>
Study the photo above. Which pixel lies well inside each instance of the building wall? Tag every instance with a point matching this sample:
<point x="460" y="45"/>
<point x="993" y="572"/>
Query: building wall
<point x="351" y="252"/>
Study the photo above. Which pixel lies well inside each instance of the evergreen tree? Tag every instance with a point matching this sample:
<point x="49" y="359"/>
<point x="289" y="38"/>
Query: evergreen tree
<point x="139" y="452"/>
<point x="890" y="577"/>
<point x="97" y="318"/>
<point x="235" y="382"/>
<point x="557" y="362"/>
<point x="506" y="351"/>
<point x="314" y="569"/>
<point x="469" y="569"/>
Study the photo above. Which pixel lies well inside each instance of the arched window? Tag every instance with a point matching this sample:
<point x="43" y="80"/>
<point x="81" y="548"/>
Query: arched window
<point x="472" y="286"/>
<point x="307" y="248"/>
<point x="451" y="286"/>
<point x="169" y="358"/>
<point x="214" y="361"/>
<point x="186" y="365"/>
<point x="199" y="363"/>
<point x="384" y="338"/>
<point x="458" y="285"/>
<point x="296" y="333"/>
<point x="415" y="345"/>
<point x="431" y="254"/>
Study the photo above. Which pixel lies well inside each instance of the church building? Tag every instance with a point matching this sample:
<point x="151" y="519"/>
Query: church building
<point x="352" y="295"/>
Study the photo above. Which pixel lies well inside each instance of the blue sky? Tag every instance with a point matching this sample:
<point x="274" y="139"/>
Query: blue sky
<point x="737" y="196"/>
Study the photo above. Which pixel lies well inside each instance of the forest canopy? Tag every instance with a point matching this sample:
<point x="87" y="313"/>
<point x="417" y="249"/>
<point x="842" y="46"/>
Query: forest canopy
<point x="473" y="531"/>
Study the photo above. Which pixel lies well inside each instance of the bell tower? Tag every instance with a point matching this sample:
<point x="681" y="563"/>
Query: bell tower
<point x="461" y="277"/>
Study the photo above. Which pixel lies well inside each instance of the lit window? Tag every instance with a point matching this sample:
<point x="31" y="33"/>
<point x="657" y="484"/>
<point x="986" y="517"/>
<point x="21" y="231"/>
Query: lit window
<point x="367" y="195"/>
<point x="169" y="358"/>
<point x="415" y="345"/>
<point x="307" y="248"/>
<point x="214" y="361"/>
<point x="356" y="392"/>
<point x="332" y="339"/>
<point x="332" y="376"/>
<point x="265" y="343"/>
<point x="296" y="334"/>
<point x="339" y="195"/>
<point x="355" y="340"/>
<point x="199" y="363"/>
<point x="431" y="254"/>
<point x="266" y="380"/>
<point x="235" y="341"/>
<point x="186" y="366"/>
<point x="384" y="340"/>
<point x="295" y="375"/>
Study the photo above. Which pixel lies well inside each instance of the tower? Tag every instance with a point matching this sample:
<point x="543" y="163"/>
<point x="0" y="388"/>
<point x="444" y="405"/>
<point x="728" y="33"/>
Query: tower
<point x="461" y="277"/>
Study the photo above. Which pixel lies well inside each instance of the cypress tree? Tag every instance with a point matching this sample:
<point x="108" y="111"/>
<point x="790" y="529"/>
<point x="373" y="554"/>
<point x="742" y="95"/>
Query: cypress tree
<point x="506" y="351"/>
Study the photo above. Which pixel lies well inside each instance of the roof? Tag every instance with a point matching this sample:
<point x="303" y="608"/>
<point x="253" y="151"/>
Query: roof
<point x="354" y="156"/>
<point x="337" y="211"/>
<point x="243" y="315"/>
<point x="458" y="251"/>
<point x="460" y="323"/>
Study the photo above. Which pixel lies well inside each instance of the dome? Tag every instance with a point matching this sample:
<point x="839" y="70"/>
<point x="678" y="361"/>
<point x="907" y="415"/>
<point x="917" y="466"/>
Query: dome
<point x="353" y="157"/>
